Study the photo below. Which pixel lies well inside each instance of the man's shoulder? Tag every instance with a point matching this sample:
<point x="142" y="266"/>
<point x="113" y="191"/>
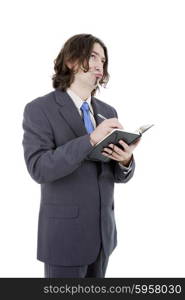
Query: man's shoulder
<point x="42" y="101"/>
<point x="105" y="105"/>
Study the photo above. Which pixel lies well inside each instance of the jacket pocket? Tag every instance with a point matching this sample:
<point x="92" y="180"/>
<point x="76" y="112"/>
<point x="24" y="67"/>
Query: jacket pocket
<point x="59" y="211"/>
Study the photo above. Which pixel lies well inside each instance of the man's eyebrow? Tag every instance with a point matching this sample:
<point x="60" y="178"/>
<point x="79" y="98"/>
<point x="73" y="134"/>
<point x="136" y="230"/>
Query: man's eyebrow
<point x="99" y="55"/>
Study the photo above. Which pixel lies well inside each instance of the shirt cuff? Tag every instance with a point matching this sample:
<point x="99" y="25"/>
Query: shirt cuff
<point x="126" y="169"/>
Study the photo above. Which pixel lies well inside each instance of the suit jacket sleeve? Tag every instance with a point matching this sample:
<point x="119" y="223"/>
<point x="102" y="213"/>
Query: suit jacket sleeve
<point x="122" y="175"/>
<point x="46" y="162"/>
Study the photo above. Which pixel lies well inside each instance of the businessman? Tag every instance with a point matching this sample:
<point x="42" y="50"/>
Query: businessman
<point x="76" y="228"/>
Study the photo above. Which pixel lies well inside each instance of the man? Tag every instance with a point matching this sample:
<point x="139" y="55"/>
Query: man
<point x="76" y="230"/>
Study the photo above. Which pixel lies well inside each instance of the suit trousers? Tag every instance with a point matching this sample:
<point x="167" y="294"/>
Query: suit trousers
<point x="97" y="269"/>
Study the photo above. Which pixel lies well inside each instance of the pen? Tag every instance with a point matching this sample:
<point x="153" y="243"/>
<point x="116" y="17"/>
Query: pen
<point x="101" y="116"/>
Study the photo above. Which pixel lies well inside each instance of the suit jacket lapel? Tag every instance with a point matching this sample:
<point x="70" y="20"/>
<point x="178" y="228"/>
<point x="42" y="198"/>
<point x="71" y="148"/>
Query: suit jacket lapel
<point x="70" y="113"/>
<point x="98" y="109"/>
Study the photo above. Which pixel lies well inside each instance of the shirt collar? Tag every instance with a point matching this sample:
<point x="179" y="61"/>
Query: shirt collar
<point x="78" y="101"/>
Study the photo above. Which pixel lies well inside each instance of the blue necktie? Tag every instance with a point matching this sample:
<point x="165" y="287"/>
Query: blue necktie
<point x="86" y="117"/>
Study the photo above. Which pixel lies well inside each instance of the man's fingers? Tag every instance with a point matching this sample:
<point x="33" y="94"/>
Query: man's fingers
<point x="109" y="151"/>
<point x="116" y="149"/>
<point x="125" y="145"/>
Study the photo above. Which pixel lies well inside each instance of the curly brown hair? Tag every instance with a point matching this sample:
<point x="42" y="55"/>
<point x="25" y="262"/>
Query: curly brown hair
<point x="78" y="49"/>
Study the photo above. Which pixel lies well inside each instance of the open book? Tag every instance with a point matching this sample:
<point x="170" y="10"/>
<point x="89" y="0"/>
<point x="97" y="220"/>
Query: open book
<point x="113" y="138"/>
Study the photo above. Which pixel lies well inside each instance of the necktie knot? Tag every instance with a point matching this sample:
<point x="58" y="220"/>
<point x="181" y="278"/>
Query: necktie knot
<point x="85" y="106"/>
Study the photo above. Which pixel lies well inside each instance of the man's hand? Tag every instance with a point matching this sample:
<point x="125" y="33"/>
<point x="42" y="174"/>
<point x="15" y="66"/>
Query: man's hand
<point x="103" y="129"/>
<point x="122" y="156"/>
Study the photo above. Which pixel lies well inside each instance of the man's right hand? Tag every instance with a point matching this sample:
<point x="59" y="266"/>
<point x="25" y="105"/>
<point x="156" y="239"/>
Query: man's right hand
<point x="103" y="129"/>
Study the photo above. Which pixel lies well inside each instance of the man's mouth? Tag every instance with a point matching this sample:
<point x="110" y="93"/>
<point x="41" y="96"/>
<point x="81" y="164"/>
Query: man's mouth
<point x="98" y="75"/>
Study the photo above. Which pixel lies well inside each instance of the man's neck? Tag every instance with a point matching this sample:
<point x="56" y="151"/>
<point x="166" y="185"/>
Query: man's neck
<point x="82" y="92"/>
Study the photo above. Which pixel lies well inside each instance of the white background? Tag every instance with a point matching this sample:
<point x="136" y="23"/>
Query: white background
<point x="146" y="47"/>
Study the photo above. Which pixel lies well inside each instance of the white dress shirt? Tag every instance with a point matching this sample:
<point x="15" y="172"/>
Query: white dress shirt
<point x="78" y="103"/>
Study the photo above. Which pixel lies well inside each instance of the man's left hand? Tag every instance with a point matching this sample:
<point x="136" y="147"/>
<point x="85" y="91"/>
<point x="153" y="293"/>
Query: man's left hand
<point x="122" y="156"/>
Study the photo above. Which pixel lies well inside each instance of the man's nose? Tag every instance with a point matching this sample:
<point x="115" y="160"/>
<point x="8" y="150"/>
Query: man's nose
<point x="99" y="67"/>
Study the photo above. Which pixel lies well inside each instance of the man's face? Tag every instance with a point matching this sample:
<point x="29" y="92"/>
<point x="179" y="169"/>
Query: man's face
<point x="91" y="78"/>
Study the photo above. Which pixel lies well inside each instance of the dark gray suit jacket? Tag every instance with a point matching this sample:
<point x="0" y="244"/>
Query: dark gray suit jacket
<point x="77" y="195"/>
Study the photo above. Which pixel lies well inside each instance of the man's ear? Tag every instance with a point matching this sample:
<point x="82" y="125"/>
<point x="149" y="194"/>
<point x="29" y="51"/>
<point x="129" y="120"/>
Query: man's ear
<point x="69" y="64"/>
<point x="72" y="66"/>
